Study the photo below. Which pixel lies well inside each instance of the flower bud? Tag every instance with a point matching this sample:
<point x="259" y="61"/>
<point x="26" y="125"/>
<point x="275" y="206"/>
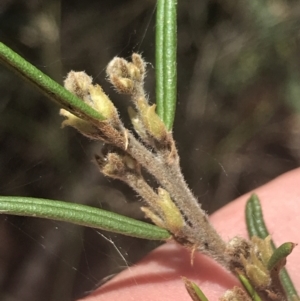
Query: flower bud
<point x="102" y="103"/>
<point x="78" y="83"/>
<point x="151" y="121"/>
<point x="84" y="127"/>
<point x="172" y="216"/>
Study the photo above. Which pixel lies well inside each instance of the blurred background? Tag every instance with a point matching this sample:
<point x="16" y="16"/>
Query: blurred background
<point x="237" y="123"/>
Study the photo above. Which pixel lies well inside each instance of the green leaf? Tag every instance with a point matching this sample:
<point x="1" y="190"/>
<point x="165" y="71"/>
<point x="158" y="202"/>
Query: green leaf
<point x="166" y="63"/>
<point x="194" y="291"/>
<point x="80" y="215"/>
<point x="48" y="86"/>
<point x="249" y="288"/>
<point x="254" y="218"/>
<point x="280" y="255"/>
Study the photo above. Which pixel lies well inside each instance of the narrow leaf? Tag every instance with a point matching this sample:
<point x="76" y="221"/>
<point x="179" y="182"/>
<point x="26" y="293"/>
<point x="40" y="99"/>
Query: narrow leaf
<point x="250" y="218"/>
<point x="80" y="215"/>
<point x="194" y="291"/>
<point x="249" y="288"/>
<point x="166" y="64"/>
<point x="47" y="86"/>
<point x="254" y="216"/>
<point x="280" y="255"/>
<point x="159" y="56"/>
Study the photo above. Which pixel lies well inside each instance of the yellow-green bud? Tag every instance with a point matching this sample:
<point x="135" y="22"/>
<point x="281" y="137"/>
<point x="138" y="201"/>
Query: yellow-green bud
<point x="172" y="216"/>
<point x="102" y="103"/>
<point x="79" y="124"/>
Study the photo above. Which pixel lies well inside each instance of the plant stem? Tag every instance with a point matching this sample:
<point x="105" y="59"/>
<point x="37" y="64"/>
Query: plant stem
<point x="200" y="232"/>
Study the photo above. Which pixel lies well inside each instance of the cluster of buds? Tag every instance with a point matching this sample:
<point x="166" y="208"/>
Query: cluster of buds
<point x="256" y="263"/>
<point x="122" y="156"/>
<point x="258" y="267"/>
<point x="111" y="129"/>
<point x="172" y="205"/>
<point x="128" y="78"/>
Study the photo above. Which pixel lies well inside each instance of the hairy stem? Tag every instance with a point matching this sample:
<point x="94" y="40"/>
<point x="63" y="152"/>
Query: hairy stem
<point x="202" y="235"/>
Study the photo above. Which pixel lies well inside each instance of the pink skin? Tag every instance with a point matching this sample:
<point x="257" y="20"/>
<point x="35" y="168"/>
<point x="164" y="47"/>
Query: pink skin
<point x="158" y="276"/>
